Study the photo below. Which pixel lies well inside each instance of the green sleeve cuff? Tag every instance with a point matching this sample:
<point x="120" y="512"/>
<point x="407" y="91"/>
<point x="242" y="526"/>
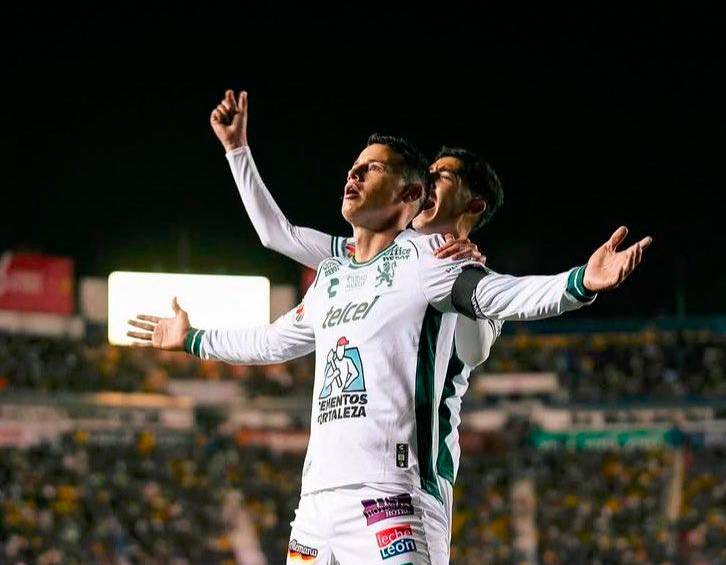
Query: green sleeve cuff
<point x="576" y="285"/>
<point x="193" y="342"/>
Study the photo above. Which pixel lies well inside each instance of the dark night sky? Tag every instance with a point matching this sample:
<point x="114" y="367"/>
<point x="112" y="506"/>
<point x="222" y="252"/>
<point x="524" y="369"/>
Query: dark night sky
<point x="592" y="117"/>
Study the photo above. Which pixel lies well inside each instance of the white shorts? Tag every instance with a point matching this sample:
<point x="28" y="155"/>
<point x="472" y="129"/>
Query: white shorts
<point x="370" y="524"/>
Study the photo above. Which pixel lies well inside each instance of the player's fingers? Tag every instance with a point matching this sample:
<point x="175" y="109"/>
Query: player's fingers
<point x="445" y="250"/>
<point x="214" y="116"/>
<point x="455" y="246"/>
<point x="449" y="237"/>
<point x="175" y="305"/>
<point x="222" y="109"/>
<point x="462" y="255"/>
<point x="645" y="242"/>
<point x="444" y="247"/>
<point x="229" y="99"/>
<point x="147" y="318"/>
<point x="141" y="325"/>
<point x="618" y="236"/>
<point x="242" y="104"/>
<point x="477" y="256"/>
<point x="140" y="335"/>
<point x="630" y="263"/>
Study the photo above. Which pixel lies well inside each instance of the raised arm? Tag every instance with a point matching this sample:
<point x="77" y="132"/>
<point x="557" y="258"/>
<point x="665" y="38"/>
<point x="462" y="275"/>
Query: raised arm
<point x="285" y="339"/>
<point x="304" y="245"/>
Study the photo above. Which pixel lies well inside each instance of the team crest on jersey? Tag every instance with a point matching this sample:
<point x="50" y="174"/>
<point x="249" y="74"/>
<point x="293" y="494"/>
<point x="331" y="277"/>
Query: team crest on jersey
<point x="300" y="312"/>
<point x="344" y="389"/>
<point x="386" y="272"/>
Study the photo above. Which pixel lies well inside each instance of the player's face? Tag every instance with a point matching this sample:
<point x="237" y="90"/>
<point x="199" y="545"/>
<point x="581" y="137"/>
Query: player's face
<point x="372" y="195"/>
<point x="449" y="199"/>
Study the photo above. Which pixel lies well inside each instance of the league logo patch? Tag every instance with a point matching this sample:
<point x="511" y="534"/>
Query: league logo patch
<point x="299" y="552"/>
<point x="395" y="541"/>
<point x="379" y="509"/>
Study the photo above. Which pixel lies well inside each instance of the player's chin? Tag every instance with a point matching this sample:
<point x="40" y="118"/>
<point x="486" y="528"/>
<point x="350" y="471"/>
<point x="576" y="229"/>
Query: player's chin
<point x="351" y="209"/>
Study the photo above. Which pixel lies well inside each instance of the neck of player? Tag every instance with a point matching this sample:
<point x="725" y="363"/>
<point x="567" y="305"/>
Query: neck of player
<point x="369" y="243"/>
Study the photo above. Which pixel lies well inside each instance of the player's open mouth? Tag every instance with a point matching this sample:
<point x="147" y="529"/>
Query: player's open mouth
<point x="351" y="192"/>
<point x="429" y="206"/>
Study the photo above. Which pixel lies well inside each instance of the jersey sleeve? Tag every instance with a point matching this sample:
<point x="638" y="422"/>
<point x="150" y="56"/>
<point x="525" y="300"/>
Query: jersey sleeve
<point x="289" y="337"/>
<point x="437" y="276"/>
<point x="469" y="288"/>
<point x="304" y="245"/>
<point x="474" y="338"/>
<point x="506" y="297"/>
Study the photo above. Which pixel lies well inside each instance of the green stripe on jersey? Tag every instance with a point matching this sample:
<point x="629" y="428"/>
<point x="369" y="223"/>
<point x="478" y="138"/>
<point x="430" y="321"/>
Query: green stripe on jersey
<point x="193" y="341"/>
<point x="576" y="285"/>
<point x="355" y="264"/>
<point x="424" y="400"/>
<point x="445" y="460"/>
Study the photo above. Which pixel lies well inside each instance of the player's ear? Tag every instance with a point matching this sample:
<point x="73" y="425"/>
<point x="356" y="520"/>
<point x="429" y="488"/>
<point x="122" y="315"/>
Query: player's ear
<point x="476" y="205"/>
<point x="412" y="192"/>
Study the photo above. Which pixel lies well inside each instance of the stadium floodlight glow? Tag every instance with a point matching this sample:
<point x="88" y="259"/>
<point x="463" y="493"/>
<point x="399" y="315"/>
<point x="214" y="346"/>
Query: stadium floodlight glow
<point x="212" y="301"/>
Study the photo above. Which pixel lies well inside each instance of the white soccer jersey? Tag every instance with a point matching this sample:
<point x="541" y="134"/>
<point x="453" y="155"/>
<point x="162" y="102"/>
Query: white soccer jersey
<point x="383" y="335"/>
<point x="309" y="247"/>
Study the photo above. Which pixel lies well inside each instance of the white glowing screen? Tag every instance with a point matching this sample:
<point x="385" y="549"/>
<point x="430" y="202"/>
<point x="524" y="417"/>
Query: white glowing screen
<point x="212" y="301"/>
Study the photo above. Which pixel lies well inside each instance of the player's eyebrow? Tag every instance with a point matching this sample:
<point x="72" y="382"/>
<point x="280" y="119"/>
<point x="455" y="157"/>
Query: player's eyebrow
<point x="445" y="170"/>
<point x="369" y="161"/>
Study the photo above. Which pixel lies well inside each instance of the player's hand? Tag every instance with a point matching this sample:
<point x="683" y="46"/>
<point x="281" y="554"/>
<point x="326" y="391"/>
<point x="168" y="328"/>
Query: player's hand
<point x="229" y="120"/>
<point x="608" y="267"/>
<point x="459" y="249"/>
<point x="162" y="333"/>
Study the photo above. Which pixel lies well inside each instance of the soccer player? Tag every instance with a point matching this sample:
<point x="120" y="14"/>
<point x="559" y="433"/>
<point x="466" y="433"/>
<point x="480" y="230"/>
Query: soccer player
<point x="467" y="194"/>
<point x="370" y="489"/>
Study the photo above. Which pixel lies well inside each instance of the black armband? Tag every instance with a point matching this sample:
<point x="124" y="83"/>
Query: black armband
<point x="462" y="293"/>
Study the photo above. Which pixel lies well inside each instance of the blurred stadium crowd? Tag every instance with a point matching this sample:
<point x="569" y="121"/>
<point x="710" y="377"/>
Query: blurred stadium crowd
<point x="204" y="496"/>
<point x="156" y="502"/>
<point x="591" y="367"/>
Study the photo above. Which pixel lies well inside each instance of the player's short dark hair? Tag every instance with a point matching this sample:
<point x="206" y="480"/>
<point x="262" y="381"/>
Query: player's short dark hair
<point x="415" y="165"/>
<point x="480" y="178"/>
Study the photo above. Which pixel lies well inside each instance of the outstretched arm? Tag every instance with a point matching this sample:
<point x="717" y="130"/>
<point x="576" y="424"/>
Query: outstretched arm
<point x="304" y="245"/>
<point x="479" y="293"/>
<point x="285" y="339"/>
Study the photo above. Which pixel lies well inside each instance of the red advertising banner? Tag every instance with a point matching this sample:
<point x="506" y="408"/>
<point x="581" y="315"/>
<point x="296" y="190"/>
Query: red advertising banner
<point x="36" y="283"/>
